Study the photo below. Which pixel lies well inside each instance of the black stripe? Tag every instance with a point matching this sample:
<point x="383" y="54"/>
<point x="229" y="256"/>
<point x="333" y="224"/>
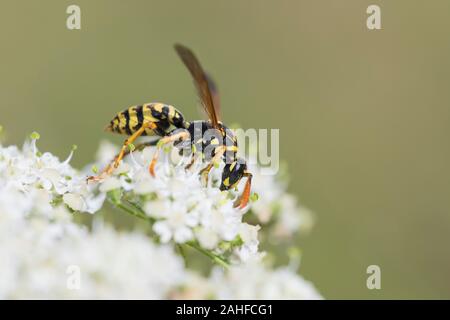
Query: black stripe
<point x="116" y="126"/>
<point x="140" y="117"/>
<point x="126" y="114"/>
<point x="165" y="111"/>
<point x="155" y="113"/>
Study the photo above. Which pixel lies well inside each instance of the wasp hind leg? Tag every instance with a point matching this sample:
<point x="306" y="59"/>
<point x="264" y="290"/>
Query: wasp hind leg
<point x="123" y="152"/>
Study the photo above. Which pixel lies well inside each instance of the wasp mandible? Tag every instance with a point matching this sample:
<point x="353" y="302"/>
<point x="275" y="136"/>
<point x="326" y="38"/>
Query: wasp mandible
<point x="167" y="122"/>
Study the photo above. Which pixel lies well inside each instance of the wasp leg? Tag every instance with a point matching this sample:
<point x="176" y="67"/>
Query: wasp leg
<point x="218" y="153"/>
<point x="191" y="163"/>
<point x="142" y="146"/>
<point x="139" y="147"/>
<point x="131" y="139"/>
<point x="180" y="135"/>
<point x="242" y="201"/>
<point x="123" y="152"/>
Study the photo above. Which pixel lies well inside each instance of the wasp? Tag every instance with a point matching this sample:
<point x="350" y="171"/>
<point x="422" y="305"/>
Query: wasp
<point x="211" y="138"/>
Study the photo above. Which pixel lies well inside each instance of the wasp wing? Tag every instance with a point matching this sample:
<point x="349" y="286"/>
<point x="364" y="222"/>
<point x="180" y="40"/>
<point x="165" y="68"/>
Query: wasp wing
<point x="215" y="95"/>
<point x="201" y="83"/>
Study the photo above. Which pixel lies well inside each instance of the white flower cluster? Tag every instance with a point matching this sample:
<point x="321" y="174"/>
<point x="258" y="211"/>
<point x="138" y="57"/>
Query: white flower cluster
<point x="182" y="207"/>
<point x="40" y="245"/>
<point x="255" y="281"/>
<point x="28" y="170"/>
<point x="43" y="259"/>
<point x="249" y="281"/>
<point x="45" y="254"/>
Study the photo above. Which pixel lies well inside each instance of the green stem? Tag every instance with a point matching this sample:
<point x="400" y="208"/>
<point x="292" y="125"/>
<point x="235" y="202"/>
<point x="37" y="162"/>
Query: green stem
<point x="182" y="253"/>
<point x="131" y="211"/>
<point x="214" y="257"/>
<point x="141" y="212"/>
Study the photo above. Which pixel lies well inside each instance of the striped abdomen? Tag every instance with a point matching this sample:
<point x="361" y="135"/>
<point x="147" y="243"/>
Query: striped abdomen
<point x="163" y="115"/>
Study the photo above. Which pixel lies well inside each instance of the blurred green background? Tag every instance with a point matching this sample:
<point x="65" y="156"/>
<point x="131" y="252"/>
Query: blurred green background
<point x="364" y="115"/>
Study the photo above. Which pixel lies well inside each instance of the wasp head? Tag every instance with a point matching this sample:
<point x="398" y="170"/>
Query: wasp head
<point x="232" y="173"/>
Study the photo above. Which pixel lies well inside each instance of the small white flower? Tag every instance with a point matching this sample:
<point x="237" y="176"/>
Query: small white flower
<point x="292" y="218"/>
<point x="249" y="233"/>
<point x="157" y="209"/>
<point x="109" y="184"/>
<point x="207" y="238"/>
<point x="74" y="201"/>
<point x="177" y="226"/>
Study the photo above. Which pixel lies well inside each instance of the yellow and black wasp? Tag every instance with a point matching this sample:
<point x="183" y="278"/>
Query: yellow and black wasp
<point x="209" y="137"/>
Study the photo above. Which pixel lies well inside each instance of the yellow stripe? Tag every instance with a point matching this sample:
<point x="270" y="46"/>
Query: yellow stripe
<point x="171" y="112"/>
<point x="232" y="148"/>
<point x="133" y="118"/>
<point x="148" y="113"/>
<point x="157" y="106"/>
<point x="122" y="123"/>
<point x="116" y="124"/>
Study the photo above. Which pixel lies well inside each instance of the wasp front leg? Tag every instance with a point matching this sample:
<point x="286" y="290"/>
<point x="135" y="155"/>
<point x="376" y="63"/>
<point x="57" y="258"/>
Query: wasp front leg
<point x="218" y="153"/>
<point x="242" y="201"/>
<point x="123" y="151"/>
